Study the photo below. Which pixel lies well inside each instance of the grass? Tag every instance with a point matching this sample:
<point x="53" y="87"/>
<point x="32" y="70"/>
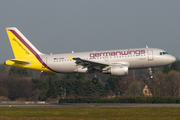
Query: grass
<point x="91" y="113"/>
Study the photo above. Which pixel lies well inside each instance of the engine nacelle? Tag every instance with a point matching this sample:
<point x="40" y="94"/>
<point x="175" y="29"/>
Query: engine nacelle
<point x="117" y="70"/>
<point x="81" y="70"/>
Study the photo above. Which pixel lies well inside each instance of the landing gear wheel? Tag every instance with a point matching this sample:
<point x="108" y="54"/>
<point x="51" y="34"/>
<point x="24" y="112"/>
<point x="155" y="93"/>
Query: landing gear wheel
<point x="151" y="72"/>
<point x="95" y="80"/>
<point x="151" y="77"/>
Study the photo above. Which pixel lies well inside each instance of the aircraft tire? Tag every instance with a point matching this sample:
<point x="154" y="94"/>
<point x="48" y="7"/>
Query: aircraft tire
<point x="95" y="80"/>
<point x="151" y="77"/>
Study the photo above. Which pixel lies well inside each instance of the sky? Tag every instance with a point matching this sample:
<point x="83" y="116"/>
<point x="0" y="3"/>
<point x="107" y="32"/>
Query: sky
<point x="60" y="26"/>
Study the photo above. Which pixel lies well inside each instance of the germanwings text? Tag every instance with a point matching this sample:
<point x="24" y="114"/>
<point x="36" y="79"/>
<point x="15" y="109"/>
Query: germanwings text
<point x="115" y="53"/>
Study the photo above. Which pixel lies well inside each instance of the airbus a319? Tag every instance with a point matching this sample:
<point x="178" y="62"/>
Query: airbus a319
<point x="114" y="62"/>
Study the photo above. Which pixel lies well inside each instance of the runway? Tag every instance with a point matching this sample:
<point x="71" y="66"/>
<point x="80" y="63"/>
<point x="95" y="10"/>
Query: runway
<point x="89" y="105"/>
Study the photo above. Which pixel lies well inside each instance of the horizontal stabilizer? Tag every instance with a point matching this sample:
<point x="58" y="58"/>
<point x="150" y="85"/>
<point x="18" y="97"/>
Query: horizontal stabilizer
<point x="22" y="62"/>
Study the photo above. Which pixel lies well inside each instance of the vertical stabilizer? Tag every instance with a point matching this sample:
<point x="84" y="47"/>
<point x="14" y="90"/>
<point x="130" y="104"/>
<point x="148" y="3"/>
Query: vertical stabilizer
<point x="20" y="44"/>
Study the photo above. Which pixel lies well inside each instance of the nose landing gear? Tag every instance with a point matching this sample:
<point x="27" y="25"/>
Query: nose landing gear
<point x="150" y="72"/>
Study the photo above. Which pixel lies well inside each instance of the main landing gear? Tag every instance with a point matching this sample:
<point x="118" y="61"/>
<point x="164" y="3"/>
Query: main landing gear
<point x="150" y="72"/>
<point x="95" y="80"/>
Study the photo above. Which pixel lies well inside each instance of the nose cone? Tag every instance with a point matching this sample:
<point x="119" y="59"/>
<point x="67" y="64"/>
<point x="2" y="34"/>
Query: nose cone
<point x="172" y="59"/>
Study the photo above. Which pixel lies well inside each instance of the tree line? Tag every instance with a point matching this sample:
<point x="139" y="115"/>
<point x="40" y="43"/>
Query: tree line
<point x="22" y="84"/>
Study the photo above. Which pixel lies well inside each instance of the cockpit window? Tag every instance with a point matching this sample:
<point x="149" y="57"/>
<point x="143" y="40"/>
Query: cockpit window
<point x="163" y="53"/>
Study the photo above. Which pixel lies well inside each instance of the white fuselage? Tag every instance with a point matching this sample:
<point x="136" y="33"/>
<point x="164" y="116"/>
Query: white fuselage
<point x="133" y="58"/>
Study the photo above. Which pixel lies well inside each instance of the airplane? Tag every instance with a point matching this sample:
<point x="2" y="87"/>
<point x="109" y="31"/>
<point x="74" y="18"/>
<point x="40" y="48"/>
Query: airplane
<point x="114" y="62"/>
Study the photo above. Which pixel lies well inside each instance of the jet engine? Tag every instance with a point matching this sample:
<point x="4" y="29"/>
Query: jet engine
<point x="117" y="70"/>
<point x="81" y="70"/>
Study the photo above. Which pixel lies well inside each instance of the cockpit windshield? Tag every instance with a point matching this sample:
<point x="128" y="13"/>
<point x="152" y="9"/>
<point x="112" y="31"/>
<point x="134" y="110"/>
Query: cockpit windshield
<point x="163" y="53"/>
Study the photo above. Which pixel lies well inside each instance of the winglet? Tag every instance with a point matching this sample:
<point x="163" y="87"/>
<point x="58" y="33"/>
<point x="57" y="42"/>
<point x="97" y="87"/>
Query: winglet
<point x="70" y="58"/>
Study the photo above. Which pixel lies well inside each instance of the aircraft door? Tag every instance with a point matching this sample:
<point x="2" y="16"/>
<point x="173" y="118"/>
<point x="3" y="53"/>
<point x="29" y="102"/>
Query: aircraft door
<point x="150" y="55"/>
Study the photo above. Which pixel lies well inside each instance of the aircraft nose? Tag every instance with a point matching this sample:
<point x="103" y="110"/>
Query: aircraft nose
<point x="172" y="59"/>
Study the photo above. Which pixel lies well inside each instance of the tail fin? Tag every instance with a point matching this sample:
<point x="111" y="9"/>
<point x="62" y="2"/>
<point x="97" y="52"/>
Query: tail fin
<point x="26" y="55"/>
<point x="20" y="44"/>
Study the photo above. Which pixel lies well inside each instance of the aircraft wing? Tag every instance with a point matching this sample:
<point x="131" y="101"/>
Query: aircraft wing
<point x="90" y="65"/>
